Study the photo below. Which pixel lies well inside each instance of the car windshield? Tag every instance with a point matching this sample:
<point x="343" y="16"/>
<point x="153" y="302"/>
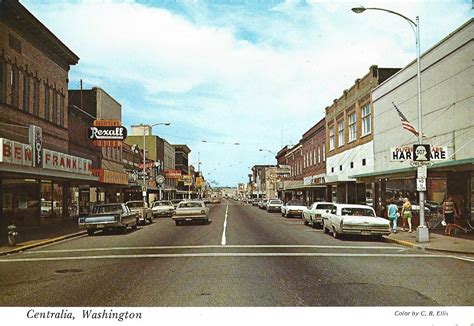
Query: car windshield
<point x="107" y="209"/>
<point x="356" y="211"/>
<point x="162" y="203"/>
<point x="323" y="206"/>
<point x="275" y="202"/>
<point x="135" y="204"/>
<point x="189" y="205"/>
<point x="295" y="203"/>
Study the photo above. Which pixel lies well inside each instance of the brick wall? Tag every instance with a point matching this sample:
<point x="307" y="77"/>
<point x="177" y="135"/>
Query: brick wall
<point x="30" y="64"/>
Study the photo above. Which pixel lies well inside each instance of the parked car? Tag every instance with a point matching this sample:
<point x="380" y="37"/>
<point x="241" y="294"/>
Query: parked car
<point x="175" y="202"/>
<point x="313" y="215"/>
<point x="145" y="214"/>
<point x="274" y="205"/>
<point x="255" y="202"/>
<point x="354" y="219"/>
<point x="109" y="216"/>
<point x="192" y="210"/>
<point x="163" y="208"/>
<point x="262" y="203"/>
<point x="293" y="208"/>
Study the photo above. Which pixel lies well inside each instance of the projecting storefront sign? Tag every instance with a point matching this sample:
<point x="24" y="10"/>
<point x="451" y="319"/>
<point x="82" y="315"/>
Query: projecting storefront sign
<point x="405" y="153"/>
<point x="173" y="174"/>
<point x="107" y="133"/>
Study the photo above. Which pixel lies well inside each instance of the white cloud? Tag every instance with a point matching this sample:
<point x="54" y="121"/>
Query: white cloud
<point x="195" y="70"/>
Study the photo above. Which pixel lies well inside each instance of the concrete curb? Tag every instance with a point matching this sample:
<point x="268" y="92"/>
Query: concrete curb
<point x="422" y="247"/>
<point x="404" y="243"/>
<point x="41" y="243"/>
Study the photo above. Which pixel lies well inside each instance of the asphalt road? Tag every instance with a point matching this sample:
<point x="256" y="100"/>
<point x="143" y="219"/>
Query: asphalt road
<point x="244" y="257"/>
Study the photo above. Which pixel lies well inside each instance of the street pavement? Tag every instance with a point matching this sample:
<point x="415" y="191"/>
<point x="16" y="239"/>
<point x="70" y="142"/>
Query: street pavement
<point x="244" y="257"/>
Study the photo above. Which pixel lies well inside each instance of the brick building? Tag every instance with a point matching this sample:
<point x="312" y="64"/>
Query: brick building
<point x="112" y="177"/>
<point x="37" y="170"/>
<point x="349" y="138"/>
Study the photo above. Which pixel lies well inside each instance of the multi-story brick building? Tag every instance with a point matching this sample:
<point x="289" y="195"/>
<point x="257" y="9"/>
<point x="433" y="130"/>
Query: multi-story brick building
<point x="162" y="153"/>
<point x="447" y="72"/>
<point x="307" y="165"/>
<point x="349" y="134"/>
<point x="99" y="104"/>
<point x="37" y="171"/>
<point x="182" y="164"/>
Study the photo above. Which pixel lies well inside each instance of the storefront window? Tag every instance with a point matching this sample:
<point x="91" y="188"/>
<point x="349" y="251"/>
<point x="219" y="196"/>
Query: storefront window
<point x="46" y="195"/>
<point x="20" y="201"/>
<point x="57" y="201"/>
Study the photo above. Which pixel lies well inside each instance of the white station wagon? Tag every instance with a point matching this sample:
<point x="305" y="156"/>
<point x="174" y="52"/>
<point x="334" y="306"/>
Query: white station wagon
<point x="354" y="219"/>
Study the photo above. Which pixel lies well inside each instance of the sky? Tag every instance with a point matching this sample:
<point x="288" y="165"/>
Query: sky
<point x="257" y="73"/>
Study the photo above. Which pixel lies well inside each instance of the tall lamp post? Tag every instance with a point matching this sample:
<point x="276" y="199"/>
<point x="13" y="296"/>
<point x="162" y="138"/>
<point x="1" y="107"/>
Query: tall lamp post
<point x="145" y="188"/>
<point x="422" y="233"/>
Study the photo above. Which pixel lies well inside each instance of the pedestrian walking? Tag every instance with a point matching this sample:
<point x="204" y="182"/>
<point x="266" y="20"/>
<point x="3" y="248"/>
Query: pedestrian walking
<point x="392" y="213"/>
<point x="406" y="214"/>
<point x="450" y="211"/>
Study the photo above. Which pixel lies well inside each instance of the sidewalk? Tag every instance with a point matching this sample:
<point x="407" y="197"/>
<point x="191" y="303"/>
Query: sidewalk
<point x="456" y="243"/>
<point x="43" y="235"/>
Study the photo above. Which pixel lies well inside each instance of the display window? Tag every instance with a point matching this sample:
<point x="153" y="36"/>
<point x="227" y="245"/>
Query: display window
<point x="20" y="201"/>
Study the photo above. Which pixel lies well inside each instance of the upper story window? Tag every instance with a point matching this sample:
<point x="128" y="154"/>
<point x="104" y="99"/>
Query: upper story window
<point x="26" y="92"/>
<point x="2" y="82"/>
<point x="46" y="102"/>
<point x="340" y="133"/>
<point x="352" y="127"/>
<point x="36" y="86"/>
<point x="14" y="86"/>
<point x="366" y="122"/>
<point x="331" y="138"/>
<point x="319" y="154"/>
<point x="324" y="153"/>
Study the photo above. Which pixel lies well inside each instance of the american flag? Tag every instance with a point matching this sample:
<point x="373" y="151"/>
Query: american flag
<point x="405" y="123"/>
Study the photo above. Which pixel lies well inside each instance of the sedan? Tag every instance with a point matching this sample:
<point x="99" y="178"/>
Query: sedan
<point x="163" y="208"/>
<point x="354" y="219"/>
<point x="313" y="215"/>
<point x="274" y="205"/>
<point x="190" y="211"/>
<point x="293" y="208"/>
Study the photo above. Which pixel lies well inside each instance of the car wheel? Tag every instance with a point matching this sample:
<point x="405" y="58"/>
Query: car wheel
<point x="313" y="225"/>
<point x="134" y="226"/>
<point x="177" y="222"/>
<point x="124" y="229"/>
<point x="335" y="234"/>
<point x="305" y="222"/>
<point x="90" y="231"/>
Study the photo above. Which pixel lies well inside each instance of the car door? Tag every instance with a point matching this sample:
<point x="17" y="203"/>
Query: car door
<point x="330" y="217"/>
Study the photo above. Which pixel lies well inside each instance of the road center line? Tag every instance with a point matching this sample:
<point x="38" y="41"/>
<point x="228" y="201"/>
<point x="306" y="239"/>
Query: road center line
<point x="223" y="240"/>
<point x="209" y="255"/>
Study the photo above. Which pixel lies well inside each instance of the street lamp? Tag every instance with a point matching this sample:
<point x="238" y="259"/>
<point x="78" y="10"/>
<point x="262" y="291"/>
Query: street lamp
<point x="422" y="233"/>
<point x="145" y="188"/>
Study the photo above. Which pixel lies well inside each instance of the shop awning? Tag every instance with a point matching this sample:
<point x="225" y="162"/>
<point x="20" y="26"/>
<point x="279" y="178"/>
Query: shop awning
<point x="462" y="165"/>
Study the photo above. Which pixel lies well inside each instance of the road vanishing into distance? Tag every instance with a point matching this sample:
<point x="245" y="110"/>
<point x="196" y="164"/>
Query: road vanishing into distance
<point x="244" y="257"/>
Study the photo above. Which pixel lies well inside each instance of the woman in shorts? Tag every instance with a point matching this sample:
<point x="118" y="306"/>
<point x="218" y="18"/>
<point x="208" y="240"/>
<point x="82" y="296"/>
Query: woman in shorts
<point x="406" y="214"/>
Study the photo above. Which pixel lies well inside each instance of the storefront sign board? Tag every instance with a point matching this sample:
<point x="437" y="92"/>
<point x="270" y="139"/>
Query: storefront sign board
<point x="53" y="160"/>
<point x="405" y="153"/>
<point x="15" y="153"/>
<point x="173" y="174"/>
